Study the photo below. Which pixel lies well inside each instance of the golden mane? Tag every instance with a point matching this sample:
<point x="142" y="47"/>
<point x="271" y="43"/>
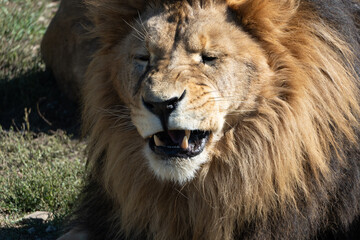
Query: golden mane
<point x="280" y="161"/>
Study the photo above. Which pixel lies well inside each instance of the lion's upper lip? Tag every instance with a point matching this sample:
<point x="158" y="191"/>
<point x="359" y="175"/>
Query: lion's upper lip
<point x="179" y="143"/>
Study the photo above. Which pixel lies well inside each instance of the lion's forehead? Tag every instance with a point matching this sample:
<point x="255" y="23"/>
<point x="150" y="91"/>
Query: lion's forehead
<point x="165" y="30"/>
<point x="159" y="31"/>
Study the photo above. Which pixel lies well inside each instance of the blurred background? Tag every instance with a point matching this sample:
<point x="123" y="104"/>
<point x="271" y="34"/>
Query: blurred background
<point x="41" y="152"/>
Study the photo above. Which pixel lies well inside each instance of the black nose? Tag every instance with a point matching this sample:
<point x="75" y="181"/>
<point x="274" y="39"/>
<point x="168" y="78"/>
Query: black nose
<point x="163" y="109"/>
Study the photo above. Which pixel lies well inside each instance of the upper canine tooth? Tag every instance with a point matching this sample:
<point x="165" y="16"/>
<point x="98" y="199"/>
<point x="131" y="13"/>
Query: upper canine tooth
<point x="158" y="142"/>
<point x="187" y="134"/>
<point x="185" y="143"/>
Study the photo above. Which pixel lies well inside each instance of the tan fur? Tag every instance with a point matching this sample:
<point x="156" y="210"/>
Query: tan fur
<point x="272" y="154"/>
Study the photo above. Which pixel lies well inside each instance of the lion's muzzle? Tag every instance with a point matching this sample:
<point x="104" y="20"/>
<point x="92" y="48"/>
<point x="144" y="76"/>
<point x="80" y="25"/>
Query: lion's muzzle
<point x="174" y="143"/>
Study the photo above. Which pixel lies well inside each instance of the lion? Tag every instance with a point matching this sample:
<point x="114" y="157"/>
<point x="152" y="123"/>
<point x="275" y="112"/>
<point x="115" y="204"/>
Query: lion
<point x="214" y="119"/>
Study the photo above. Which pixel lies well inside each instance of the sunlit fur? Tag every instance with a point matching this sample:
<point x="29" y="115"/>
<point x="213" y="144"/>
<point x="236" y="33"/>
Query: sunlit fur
<point x="275" y="173"/>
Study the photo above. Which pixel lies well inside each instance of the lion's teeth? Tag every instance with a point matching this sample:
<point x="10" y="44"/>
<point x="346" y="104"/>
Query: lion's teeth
<point x="187" y="133"/>
<point x="158" y="142"/>
<point x="185" y="143"/>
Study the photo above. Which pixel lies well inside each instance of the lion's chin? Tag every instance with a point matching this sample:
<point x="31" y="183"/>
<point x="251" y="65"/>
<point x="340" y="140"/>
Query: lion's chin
<point x="175" y="169"/>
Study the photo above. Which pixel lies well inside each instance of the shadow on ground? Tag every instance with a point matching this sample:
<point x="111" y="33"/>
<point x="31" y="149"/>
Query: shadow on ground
<point x="32" y="230"/>
<point x="33" y="102"/>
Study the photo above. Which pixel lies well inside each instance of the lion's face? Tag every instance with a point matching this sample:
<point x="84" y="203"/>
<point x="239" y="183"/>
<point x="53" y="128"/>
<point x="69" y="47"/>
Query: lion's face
<point x="190" y="74"/>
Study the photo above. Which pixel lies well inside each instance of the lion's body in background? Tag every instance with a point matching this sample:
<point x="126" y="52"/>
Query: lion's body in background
<point x="286" y="168"/>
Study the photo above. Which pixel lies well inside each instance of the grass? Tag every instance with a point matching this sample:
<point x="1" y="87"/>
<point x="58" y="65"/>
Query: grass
<point x="23" y="24"/>
<point x="41" y="157"/>
<point x="39" y="172"/>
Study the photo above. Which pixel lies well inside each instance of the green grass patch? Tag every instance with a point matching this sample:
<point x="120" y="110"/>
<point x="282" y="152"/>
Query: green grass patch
<point x="39" y="172"/>
<point x="41" y="159"/>
<point x="23" y="23"/>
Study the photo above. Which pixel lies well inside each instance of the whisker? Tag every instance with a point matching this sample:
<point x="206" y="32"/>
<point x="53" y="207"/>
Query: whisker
<point x="228" y="124"/>
<point x="123" y="128"/>
<point x="137" y="37"/>
<point x="123" y="112"/>
<point x="243" y="110"/>
<point x="180" y="193"/>
<point x="228" y="97"/>
<point x="123" y="124"/>
<point x="121" y="116"/>
<point x="141" y="35"/>
<point x="226" y="100"/>
<point x="142" y="25"/>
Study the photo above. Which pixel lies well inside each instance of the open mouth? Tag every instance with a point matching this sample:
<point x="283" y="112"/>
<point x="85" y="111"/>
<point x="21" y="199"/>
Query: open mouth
<point x="179" y="143"/>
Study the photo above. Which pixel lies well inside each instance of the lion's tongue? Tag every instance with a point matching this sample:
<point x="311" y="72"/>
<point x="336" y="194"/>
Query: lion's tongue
<point x="176" y="136"/>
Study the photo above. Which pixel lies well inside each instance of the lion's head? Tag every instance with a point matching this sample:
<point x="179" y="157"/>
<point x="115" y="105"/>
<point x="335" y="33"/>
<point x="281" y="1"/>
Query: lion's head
<point x="186" y="72"/>
<point x="236" y="105"/>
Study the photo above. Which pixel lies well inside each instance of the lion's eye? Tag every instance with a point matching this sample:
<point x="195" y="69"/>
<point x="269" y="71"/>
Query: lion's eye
<point x="142" y="58"/>
<point x="141" y="63"/>
<point x="208" y="59"/>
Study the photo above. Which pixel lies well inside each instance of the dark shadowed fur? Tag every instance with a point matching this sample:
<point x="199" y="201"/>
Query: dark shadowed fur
<point x="321" y="202"/>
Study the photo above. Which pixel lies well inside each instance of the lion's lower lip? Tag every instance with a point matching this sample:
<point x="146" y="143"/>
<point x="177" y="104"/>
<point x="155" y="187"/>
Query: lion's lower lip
<point x="172" y="148"/>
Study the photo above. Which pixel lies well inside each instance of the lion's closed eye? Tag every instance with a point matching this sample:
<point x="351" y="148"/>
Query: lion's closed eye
<point x="207" y="58"/>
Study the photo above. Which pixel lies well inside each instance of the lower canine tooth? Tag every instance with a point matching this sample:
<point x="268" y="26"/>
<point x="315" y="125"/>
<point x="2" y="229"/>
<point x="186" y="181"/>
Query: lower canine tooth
<point x="185" y="143"/>
<point x="158" y="142"/>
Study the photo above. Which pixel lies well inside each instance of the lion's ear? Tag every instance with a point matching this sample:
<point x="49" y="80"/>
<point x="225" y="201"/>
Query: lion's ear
<point x="263" y="16"/>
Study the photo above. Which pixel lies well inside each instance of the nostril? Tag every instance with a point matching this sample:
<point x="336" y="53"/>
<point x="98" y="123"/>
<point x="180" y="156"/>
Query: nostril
<point x="170" y="106"/>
